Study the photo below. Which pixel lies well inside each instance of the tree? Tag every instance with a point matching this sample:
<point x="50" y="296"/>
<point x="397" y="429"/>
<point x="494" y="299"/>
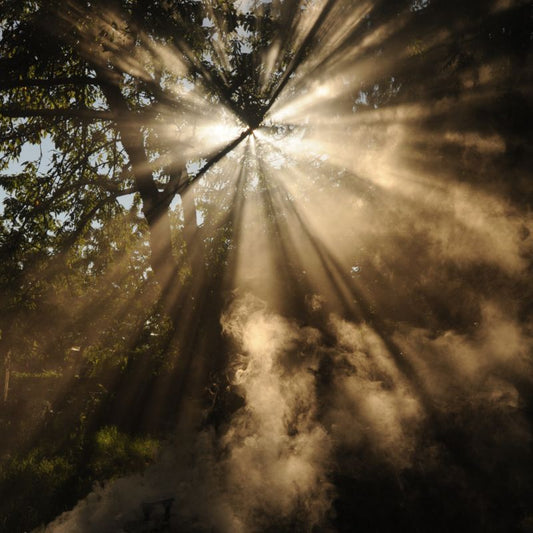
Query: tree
<point x="65" y="73"/>
<point x="143" y="99"/>
<point x="99" y="81"/>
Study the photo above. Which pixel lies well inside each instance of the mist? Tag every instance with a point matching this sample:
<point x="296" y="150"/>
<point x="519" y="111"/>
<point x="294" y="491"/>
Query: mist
<point x="317" y="308"/>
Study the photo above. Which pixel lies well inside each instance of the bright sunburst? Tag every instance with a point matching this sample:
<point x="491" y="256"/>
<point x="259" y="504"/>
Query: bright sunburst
<point x="287" y="242"/>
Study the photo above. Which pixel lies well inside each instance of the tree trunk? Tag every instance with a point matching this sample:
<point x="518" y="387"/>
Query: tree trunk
<point x="187" y="305"/>
<point x="192" y="235"/>
<point x="154" y="204"/>
<point x="7" y="373"/>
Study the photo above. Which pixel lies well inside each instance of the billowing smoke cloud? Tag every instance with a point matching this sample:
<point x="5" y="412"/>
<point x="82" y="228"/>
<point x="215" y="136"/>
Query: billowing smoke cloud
<point x="319" y="403"/>
<point x="270" y="466"/>
<point x="278" y="451"/>
<point x="370" y="403"/>
<point x="484" y="363"/>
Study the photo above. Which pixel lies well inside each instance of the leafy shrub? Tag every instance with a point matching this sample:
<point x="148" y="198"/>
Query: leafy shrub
<point x="37" y="480"/>
<point x="117" y="454"/>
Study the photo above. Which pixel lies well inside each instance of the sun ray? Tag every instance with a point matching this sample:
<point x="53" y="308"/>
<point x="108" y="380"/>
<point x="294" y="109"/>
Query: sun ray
<point x="318" y="286"/>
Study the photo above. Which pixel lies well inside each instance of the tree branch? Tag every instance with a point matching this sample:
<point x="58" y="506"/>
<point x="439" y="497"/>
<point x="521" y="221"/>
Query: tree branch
<point x="81" y="113"/>
<point x="65" y="80"/>
<point x="154" y="210"/>
<point x="123" y="192"/>
<point x="84" y="221"/>
<point x="180" y="187"/>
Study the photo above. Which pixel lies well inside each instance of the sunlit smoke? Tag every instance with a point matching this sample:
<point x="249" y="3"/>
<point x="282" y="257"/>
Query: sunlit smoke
<point x="368" y="244"/>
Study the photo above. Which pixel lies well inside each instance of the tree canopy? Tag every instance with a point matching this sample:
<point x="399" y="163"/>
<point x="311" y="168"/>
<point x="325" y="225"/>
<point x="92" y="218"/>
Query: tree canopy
<point x="296" y="230"/>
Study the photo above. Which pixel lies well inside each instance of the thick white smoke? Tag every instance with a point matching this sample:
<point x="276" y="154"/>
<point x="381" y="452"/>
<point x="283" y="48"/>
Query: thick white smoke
<point x="270" y="465"/>
<point x="278" y="452"/>
<point x="313" y="408"/>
